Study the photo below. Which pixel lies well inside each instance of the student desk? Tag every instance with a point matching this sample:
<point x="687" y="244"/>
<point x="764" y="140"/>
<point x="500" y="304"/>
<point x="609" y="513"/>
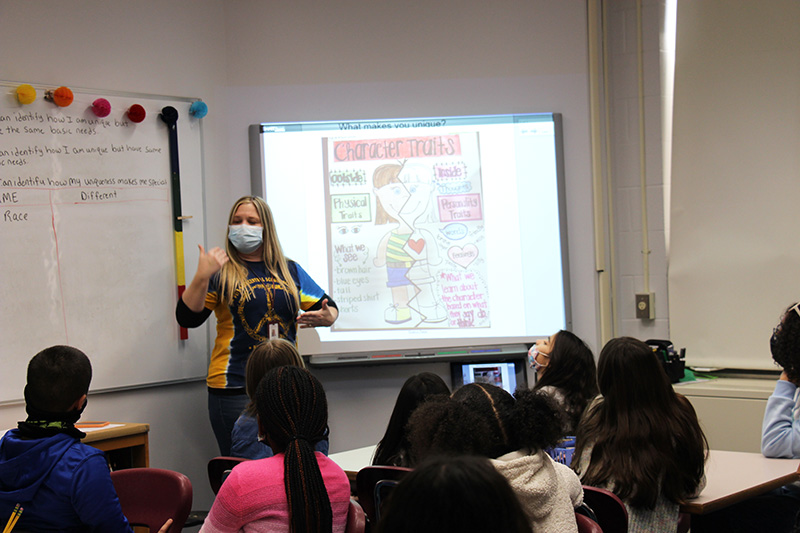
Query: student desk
<point x="125" y="445"/>
<point x="735" y="476"/>
<point x="351" y="461"/>
<point x="730" y="476"/>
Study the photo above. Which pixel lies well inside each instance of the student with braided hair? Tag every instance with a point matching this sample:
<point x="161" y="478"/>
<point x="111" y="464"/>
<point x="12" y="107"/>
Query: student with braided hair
<point x="297" y="489"/>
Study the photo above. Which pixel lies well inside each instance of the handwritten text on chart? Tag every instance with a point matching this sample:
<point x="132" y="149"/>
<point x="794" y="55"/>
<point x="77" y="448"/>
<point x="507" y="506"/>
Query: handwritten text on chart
<point x="345" y="178"/>
<point x="465" y="298"/>
<point x="350" y="279"/>
<point x="460" y="207"/>
<point x="345" y="254"/>
<point x="350" y="208"/>
<point x="407" y="147"/>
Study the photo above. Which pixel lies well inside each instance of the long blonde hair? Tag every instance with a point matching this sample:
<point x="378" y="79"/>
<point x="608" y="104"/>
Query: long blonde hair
<point x="233" y="276"/>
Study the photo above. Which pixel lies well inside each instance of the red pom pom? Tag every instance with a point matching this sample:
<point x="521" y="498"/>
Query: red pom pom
<point x="136" y="113"/>
<point x="101" y="107"/>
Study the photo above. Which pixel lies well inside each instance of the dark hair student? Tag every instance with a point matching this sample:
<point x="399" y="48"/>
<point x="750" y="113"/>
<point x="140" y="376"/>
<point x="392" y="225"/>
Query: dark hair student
<point x="785" y="343"/>
<point x="393" y="448"/>
<point x="297" y="489"/>
<point x="513" y="431"/>
<point x="59" y="482"/>
<point x="640" y="439"/>
<point x="566" y="372"/>
<point x="453" y="494"/>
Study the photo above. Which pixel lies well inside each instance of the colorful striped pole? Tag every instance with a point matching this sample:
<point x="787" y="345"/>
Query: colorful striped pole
<point x="170" y="117"/>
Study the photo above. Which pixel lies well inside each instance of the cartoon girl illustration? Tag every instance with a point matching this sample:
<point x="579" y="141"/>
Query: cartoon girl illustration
<point x="403" y="193"/>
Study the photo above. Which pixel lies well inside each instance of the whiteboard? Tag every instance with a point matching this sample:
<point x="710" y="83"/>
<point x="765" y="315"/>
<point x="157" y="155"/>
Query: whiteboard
<point x="89" y="254"/>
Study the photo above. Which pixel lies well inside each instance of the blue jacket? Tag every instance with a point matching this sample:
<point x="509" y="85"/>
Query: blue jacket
<point x="780" y="432"/>
<point x="62" y="485"/>
<point x="245" y="443"/>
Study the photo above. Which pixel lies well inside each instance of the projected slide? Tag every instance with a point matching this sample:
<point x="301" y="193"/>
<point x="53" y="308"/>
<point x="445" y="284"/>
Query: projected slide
<point x="406" y="232"/>
<point x="427" y="232"/>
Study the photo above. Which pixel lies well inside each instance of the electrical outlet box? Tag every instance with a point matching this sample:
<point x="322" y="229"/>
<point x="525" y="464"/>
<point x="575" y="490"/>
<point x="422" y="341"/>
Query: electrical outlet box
<point x="645" y="306"/>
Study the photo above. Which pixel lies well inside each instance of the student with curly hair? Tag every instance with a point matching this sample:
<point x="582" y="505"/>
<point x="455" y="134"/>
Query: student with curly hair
<point x="297" y="489"/>
<point x="780" y="437"/>
<point x="566" y="371"/>
<point x="513" y="431"/>
<point x="641" y="439"/>
<point x="453" y="495"/>
<point x="392" y="449"/>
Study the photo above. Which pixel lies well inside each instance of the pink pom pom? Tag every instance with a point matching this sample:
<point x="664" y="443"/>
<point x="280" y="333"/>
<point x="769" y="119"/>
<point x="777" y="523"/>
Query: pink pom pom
<point x="101" y="107"/>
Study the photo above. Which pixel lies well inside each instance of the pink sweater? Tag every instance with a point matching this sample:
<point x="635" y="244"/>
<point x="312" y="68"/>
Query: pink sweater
<point x="253" y="498"/>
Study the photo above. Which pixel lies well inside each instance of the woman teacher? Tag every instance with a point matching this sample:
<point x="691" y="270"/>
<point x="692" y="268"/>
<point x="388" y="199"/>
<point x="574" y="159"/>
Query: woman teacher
<point x="256" y="294"/>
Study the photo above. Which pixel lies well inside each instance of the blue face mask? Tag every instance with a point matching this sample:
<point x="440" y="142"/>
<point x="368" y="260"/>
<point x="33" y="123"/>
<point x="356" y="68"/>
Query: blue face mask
<point x="246" y="239"/>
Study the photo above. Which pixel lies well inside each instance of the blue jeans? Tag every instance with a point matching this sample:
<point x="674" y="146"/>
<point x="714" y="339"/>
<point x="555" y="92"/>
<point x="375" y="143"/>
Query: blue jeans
<point x="223" y="410"/>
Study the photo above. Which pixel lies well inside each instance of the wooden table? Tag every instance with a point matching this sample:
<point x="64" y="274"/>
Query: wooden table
<point x="125" y="445"/>
<point x="735" y="476"/>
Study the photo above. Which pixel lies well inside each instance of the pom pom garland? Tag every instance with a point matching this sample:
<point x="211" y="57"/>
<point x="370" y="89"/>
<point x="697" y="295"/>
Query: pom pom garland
<point x="26" y="94"/>
<point x="101" y="107"/>
<point x="198" y="109"/>
<point x="136" y="113"/>
<point x="62" y="96"/>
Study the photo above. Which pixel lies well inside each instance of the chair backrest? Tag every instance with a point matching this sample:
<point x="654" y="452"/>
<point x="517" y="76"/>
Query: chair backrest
<point x="366" y="480"/>
<point x="381" y="492"/>
<point x="356" y="519"/>
<point x="608" y="508"/>
<point x="217" y="468"/>
<point x="586" y="524"/>
<point x="150" y="496"/>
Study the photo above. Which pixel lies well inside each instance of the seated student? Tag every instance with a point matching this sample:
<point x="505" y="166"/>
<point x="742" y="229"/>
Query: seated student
<point x="392" y="450"/>
<point x="297" y="489"/>
<point x="453" y="495"/>
<point x="780" y="433"/>
<point x="483" y="419"/>
<point x="641" y="439"/>
<point x="61" y="483"/>
<point x="565" y="370"/>
<point x="270" y="354"/>
<point x="780" y="437"/>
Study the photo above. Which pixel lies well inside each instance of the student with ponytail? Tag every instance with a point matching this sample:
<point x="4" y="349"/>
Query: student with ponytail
<point x="297" y="489"/>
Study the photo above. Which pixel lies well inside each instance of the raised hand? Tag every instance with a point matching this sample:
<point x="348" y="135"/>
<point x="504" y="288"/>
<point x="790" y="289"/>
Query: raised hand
<point x="210" y="262"/>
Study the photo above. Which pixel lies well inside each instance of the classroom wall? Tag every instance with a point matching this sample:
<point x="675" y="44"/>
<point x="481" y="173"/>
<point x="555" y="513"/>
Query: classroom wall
<point x="630" y="276"/>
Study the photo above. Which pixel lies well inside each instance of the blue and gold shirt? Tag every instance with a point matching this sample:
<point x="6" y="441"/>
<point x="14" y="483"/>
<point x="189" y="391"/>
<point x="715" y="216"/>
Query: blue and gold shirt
<point x="245" y="323"/>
